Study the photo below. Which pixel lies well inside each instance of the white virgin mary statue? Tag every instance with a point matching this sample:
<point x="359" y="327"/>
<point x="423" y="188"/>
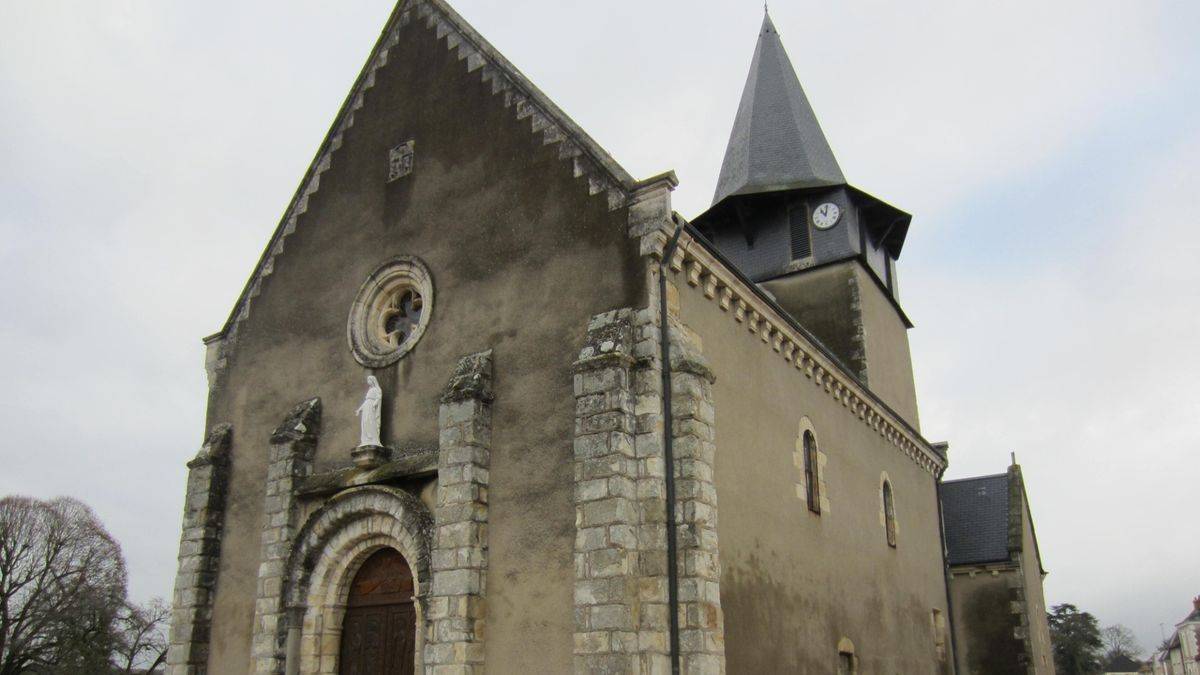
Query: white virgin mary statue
<point x="369" y="413"/>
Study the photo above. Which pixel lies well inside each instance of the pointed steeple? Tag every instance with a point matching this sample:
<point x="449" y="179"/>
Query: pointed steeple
<point x="776" y="143"/>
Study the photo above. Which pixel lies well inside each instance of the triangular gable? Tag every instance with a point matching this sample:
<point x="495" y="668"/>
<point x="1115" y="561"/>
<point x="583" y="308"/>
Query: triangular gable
<point x="588" y="159"/>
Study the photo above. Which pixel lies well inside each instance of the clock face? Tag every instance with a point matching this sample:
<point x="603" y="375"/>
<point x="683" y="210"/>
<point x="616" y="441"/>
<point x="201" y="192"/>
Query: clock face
<point x="826" y="215"/>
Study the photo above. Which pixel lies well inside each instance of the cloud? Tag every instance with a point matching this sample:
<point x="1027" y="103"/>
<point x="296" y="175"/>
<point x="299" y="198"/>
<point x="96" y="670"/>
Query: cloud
<point x="1085" y="367"/>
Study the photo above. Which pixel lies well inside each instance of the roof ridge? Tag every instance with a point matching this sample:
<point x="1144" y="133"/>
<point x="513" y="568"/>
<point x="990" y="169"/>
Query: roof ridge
<point x="970" y="478"/>
<point x="589" y="159"/>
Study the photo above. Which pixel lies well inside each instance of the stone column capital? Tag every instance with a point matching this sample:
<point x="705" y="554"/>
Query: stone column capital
<point x="216" y="447"/>
<point x="302" y="424"/>
<point x="472" y="379"/>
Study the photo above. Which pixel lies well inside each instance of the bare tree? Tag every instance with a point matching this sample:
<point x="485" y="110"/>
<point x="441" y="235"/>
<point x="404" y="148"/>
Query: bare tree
<point x="142" y="646"/>
<point x="62" y="582"/>
<point x="1120" y="641"/>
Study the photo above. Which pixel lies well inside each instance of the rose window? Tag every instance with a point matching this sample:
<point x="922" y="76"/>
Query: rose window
<point x="391" y="312"/>
<point x="401" y="317"/>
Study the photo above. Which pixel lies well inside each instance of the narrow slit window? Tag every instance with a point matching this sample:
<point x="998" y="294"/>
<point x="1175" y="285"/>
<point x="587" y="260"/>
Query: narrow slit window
<point x="812" y="490"/>
<point x="889" y="514"/>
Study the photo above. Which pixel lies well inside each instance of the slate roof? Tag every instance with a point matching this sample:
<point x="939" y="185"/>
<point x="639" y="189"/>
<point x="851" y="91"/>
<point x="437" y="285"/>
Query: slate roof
<point x="976" y="517"/>
<point x="1122" y="664"/>
<point x="776" y="142"/>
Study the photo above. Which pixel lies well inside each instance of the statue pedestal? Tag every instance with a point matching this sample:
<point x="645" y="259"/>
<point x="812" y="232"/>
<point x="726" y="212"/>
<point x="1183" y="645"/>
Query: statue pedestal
<point x="370" y="456"/>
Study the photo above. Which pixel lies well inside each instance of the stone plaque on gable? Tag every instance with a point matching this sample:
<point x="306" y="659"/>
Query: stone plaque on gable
<point x="400" y="161"/>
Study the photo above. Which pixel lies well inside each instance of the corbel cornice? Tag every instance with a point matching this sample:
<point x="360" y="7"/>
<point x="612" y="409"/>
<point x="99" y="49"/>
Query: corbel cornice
<point x="697" y="266"/>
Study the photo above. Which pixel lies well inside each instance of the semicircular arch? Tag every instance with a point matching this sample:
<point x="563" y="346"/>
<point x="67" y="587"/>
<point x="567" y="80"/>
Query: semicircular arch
<point x="331" y="547"/>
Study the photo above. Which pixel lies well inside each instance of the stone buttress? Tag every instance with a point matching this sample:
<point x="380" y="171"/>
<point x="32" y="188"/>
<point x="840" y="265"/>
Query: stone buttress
<point x="621" y="597"/>
<point x="199" y="555"/>
<point x="292" y="447"/>
<point x="456" y="607"/>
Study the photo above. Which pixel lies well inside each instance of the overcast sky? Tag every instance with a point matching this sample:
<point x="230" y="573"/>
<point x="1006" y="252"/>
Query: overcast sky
<point x="1050" y="154"/>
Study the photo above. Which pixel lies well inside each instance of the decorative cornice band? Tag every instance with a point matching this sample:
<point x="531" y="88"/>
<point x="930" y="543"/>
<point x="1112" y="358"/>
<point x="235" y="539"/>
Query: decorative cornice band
<point x="695" y="264"/>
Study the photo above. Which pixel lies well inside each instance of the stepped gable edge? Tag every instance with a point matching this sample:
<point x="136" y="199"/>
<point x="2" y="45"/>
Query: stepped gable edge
<point x="588" y="160"/>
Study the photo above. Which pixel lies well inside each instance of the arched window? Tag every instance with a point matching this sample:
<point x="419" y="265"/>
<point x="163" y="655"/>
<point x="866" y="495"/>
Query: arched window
<point x="813" y="491"/>
<point x="847" y="663"/>
<point x="889" y="514"/>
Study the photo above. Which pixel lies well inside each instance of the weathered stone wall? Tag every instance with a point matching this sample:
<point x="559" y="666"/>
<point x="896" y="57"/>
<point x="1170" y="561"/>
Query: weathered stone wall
<point x="794" y="583"/>
<point x="524" y="239"/>
<point x="702" y="631"/>
<point x="609" y="569"/>
<point x="985" y="623"/>
<point x="889" y="359"/>
<point x="457" y="607"/>
<point x="523" y="243"/>
<point x="199" y="553"/>
<point x="844" y="306"/>
<point x="621" y="562"/>
<point x="1035" y="626"/>
<point x="291" y="451"/>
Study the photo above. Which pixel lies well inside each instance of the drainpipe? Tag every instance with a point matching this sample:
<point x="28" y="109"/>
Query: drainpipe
<point x="946" y="576"/>
<point x="668" y="449"/>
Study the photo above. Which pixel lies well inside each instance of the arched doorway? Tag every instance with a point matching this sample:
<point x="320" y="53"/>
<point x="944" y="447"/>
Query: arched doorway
<point x="379" y="629"/>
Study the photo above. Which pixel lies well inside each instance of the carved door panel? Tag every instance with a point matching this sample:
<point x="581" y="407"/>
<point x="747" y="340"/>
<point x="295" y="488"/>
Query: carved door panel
<point x="379" y="640"/>
<point x="379" y="629"/>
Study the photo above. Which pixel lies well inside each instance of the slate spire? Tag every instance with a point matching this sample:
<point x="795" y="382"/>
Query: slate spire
<point x="776" y="143"/>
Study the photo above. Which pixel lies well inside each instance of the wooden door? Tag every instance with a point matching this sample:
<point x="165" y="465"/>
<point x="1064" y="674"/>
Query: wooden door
<point x="380" y="627"/>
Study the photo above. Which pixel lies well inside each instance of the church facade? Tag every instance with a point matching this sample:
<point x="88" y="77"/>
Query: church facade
<point x="488" y="403"/>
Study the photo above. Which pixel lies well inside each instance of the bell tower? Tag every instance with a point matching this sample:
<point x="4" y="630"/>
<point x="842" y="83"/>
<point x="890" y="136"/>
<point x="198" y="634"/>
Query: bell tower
<point x="784" y="214"/>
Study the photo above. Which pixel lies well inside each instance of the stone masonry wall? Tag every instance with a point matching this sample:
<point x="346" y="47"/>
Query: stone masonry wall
<point x="199" y="555"/>
<point x="1019" y="594"/>
<point x="456" y="607"/>
<point x="608" y="588"/>
<point x="621" y="610"/>
<point x="292" y="446"/>
<point x="701" y="623"/>
<point x="653" y="610"/>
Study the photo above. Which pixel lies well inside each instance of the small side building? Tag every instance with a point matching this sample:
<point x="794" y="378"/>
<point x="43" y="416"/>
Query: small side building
<point x="998" y="608"/>
<point x="1122" y="664"/>
<point x="1182" y="653"/>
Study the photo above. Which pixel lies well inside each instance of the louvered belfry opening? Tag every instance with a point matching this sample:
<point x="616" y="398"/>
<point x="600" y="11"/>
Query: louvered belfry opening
<point x="798" y="227"/>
